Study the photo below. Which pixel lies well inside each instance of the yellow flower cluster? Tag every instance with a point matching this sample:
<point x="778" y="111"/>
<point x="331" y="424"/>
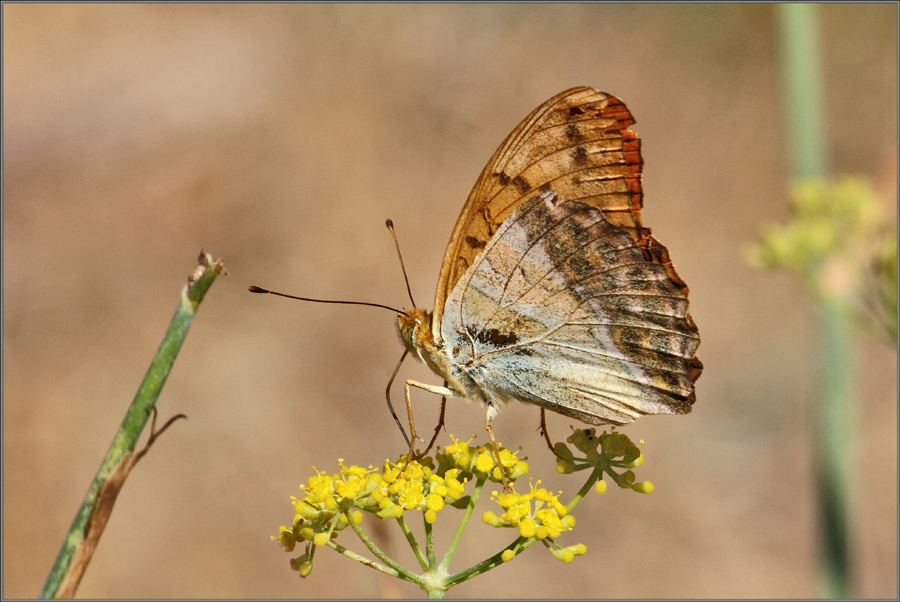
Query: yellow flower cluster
<point x="527" y="513"/>
<point x="531" y="520"/>
<point x="481" y="462"/>
<point x="417" y="487"/>
<point x="843" y="246"/>
<point x="333" y="501"/>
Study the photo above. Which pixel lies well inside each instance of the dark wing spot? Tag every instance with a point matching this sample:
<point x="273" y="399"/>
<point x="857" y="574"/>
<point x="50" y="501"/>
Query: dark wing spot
<point x="521" y="184"/>
<point x="474" y="243"/>
<point x="572" y="132"/>
<point x="576" y="111"/>
<point x="580" y="155"/>
<point x="496" y="338"/>
<point x="502" y="178"/>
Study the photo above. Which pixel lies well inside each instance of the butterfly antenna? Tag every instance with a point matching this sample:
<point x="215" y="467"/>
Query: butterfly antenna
<point x="390" y="226"/>
<point x="257" y="289"/>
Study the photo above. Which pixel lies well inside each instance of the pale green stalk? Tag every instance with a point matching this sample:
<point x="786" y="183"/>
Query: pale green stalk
<point x="803" y="97"/>
<point x="78" y="547"/>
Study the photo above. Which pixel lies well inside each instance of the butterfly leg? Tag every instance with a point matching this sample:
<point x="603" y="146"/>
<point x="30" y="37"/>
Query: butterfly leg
<point x="443" y="392"/>
<point x="543" y="429"/>
<point x="491" y="414"/>
<point x="437" y="429"/>
<point x="387" y="393"/>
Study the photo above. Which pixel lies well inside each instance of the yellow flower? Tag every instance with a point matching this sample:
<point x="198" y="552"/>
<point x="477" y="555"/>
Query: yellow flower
<point x="484" y="462"/>
<point x="434" y="502"/>
<point x="350" y="488"/>
<point x="527" y="528"/>
<point x="285" y="538"/>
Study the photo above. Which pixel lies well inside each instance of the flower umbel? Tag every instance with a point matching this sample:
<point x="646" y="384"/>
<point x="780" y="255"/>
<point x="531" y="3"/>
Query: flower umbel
<point x="604" y="454"/>
<point x="332" y="503"/>
<point x="840" y="242"/>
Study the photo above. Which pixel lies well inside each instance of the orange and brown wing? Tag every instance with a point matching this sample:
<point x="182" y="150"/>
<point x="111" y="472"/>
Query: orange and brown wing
<point x="578" y="144"/>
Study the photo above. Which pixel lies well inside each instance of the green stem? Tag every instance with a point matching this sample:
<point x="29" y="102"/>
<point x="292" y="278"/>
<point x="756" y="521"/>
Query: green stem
<point x="519" y="545"/>
<point x="402" y="572"/>
<point x="476" y="493"/>
<point x="413" y="543"/>
<point x="802" y="84"/>
<point x="595" y="474"/>
<point x="77" y="549"/>
<point x="429" y="543"/>
<point x="803" y="97"/>
<point x="363" y="560"/>
<point x="835" y="450"/>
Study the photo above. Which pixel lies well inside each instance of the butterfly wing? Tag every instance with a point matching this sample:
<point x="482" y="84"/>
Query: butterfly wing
<point x="576" y="143"/>
<point x="562" y="309"/>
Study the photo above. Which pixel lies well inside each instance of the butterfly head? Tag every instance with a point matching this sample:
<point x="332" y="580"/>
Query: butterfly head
<point x="415" y="329"/>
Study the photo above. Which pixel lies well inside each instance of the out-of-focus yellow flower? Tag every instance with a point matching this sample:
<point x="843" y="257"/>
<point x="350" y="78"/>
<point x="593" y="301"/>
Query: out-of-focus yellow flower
<point x="840" y="242"/>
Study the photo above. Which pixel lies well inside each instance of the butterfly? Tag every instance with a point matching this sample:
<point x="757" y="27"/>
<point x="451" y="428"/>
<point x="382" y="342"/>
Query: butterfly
<point x="551" y="291"/>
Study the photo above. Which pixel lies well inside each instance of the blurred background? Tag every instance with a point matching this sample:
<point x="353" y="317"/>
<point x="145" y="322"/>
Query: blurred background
<point x="280" y="138"/>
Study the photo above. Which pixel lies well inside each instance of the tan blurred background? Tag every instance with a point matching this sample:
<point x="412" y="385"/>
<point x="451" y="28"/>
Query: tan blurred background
<point x="280" y="138"/>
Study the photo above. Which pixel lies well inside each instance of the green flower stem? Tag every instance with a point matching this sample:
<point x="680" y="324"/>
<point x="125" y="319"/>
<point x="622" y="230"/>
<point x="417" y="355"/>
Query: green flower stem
<point x="595" y="474"/>
<point x="519" y="545"/>
<point x="413" y="543"/>
<point x="476" y="493"/>
<point x="429" y="543"/>
<point x="86" y="529"/>
<point x="402" y="572"/>
<point x="363" y="560"/>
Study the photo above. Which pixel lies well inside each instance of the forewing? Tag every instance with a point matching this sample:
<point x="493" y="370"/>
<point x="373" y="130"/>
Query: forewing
<point x="563" y="309"/>
<point x="576" y="143"/>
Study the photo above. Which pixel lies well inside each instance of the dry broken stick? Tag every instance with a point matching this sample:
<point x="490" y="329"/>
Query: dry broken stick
<point x="93" y="515"/>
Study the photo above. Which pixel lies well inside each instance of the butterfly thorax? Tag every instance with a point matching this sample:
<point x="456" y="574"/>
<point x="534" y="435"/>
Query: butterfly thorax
<point x="415" y="327"/>
<point x="415" y="331"/>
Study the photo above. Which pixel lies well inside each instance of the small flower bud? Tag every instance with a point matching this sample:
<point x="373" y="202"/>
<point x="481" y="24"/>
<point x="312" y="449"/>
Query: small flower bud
<point x="562" y="451"/>
<point x="305" y="569"/>
<point x="643" y="487"/>
<point x="321" y="539"/>
<point x="564" y="466"/>
<point x="489" y="518"/>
